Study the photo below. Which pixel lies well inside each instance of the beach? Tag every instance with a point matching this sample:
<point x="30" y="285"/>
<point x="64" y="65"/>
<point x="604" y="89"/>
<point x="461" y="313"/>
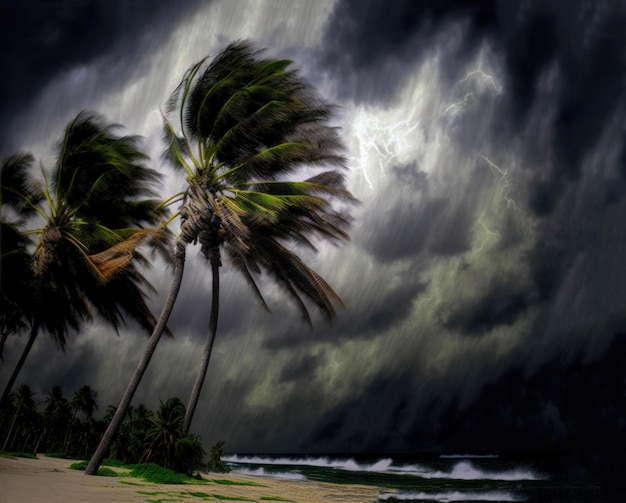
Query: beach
<point x="51" y="480"/>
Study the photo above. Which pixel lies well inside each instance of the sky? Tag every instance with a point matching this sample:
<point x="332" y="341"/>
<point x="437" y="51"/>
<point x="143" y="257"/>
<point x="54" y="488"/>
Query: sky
<point x="483" y="281"/>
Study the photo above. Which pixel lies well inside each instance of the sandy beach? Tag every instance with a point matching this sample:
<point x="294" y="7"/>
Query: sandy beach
<point x="50" y="480"/>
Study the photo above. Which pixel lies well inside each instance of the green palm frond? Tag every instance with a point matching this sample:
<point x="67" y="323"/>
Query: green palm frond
<point x="248" y="126"/>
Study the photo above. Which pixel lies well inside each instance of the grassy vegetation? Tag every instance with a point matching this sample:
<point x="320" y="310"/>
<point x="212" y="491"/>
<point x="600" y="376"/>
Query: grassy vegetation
<point x="60" y="455"/>
<point x="130" y="483"/>
<point x="103" y="471"/>
<point x="231" y="498"/>
<point x="14" y="455"/>
<point x="227" y="482"/>
<point x="151" y="472"/>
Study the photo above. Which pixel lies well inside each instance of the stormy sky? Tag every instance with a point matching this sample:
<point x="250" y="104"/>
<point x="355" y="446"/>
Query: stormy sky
<point x="484" y="281"/>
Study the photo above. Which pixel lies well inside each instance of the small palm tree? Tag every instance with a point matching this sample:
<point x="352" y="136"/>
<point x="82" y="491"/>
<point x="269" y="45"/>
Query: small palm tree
<point x="24" y="409"/>
<point x="92" y="206"/>
<point x="57" y="417"/>
<point x="244" y="130"/>
<point x="84" y="401"/>
<point x="164" y="432"/>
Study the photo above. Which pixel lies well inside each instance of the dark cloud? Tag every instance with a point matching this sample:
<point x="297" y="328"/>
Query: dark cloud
<point x="371" y="51"/>
<point x="573" y="406"/>
<point x="371" y="47"/>
<point x="300" y="368"/>
<point x="500" y="303"/>
<point x="42" y="39"/>
<point x="367" y="313"/>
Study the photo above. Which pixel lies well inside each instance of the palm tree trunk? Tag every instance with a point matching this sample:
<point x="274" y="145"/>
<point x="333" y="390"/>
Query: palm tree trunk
<point x="31" y="339"/>
<point x="6" y="440"/>
<point x="118" y="417"/>
<point x="5" y="335"/>
<point x="206" y="354"/>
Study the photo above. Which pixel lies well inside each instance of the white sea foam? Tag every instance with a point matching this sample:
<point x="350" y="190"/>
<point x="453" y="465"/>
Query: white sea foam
<point x="468" y="456"/>
<point x="466" y="471"/>
<point x="449" y="496"/>
<point x="462" y="470"/>
<point x="260" y="472"/>
<point x="380" y="466"/>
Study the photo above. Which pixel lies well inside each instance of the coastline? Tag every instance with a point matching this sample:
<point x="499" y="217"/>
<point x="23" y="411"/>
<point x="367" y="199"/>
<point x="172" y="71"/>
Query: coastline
<point x="51" y="480"/>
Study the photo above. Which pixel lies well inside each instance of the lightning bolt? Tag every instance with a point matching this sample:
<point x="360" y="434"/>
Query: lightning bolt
<point x="381" y="141"/>
<point x="480" y="79"/>
<point x="503" y="182"/>
<point x="490" y="235"/>
<point x="481" y="76"/>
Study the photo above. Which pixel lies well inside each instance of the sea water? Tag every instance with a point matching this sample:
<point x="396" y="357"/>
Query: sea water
<point x="432" y="477"/>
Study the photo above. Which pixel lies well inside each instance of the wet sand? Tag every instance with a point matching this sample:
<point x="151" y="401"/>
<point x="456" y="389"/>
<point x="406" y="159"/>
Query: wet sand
<point x="50" y="480"/>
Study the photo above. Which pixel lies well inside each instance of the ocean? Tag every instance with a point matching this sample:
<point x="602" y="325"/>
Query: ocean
<point x="432" y="477"/>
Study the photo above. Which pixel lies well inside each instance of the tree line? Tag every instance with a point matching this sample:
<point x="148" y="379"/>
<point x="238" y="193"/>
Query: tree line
<point x="262" y="166"/>
<point x="68" y="427"/>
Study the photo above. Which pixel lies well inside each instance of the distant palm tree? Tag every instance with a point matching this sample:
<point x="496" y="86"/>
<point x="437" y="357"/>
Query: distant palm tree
<point x="85" y="401"/>
<point x="245" y="130"/>
<point x="57" y="417"/>
<point x="24" y="408"/>
<point x="165" y="431"/>
<point x="92" y="208"/>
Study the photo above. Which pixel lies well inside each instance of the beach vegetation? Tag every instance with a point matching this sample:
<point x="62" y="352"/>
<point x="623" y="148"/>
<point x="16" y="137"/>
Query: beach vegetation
<point x="150" y="438"/>
<point x="215" y="463"/>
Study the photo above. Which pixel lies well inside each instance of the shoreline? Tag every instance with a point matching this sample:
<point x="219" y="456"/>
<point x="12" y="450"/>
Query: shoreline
<point x="51" y="480"/>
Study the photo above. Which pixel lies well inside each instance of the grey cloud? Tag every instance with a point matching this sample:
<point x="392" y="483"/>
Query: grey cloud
<point x="43" y="42"/>
<point x="500" y="303"/>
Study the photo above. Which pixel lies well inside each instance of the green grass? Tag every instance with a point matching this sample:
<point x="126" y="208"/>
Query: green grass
<point x="103" y="471"/>
<point x="151" y="493"/>
<point x="151" y="472"/>
<point x="199" y="494"/>
<point x="231" y="498"/>
<point x="130" y="483"/>
<point x="8" y="454"/>
<point x="227" y="482"/>
<point x="113" y="462"/>
<point x="62" y="455"/>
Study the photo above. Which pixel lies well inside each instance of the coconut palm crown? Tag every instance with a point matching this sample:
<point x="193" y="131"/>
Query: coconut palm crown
<point x="244" y="129"/>
<point x="86" y="219"/>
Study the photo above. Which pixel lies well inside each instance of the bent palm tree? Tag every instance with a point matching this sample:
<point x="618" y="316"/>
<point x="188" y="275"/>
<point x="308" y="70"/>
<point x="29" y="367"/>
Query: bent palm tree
<point x="17" y="200"/>
<point x="242" y="128"/>
<point x="92" y="205"/>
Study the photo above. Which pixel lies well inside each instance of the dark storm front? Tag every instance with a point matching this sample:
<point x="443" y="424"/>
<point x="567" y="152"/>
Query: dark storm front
<point x="430" y="478"/>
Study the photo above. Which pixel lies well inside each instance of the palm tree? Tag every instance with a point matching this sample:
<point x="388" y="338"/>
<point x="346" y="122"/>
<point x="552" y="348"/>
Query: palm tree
<point x="17" y="200"/>
<point x="24" y="408"/>
<point x="92" y="206"/>
<point x="243" y="128"/>
<point x="57" y="417"/>
<point x="85" y="401"/>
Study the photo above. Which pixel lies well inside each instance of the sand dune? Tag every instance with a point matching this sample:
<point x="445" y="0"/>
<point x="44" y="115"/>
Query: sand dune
<point x="50" y="480"/>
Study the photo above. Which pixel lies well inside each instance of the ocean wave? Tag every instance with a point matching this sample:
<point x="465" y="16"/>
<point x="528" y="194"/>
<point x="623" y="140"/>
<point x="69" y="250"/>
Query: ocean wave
<point x="466" y="471"/>
<point x="449" y="496"/>
<point x="462" y="470"/>
<point x="380" y="466"/>
<point x="260" y="472"/>
<point x="468" y="456"/>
